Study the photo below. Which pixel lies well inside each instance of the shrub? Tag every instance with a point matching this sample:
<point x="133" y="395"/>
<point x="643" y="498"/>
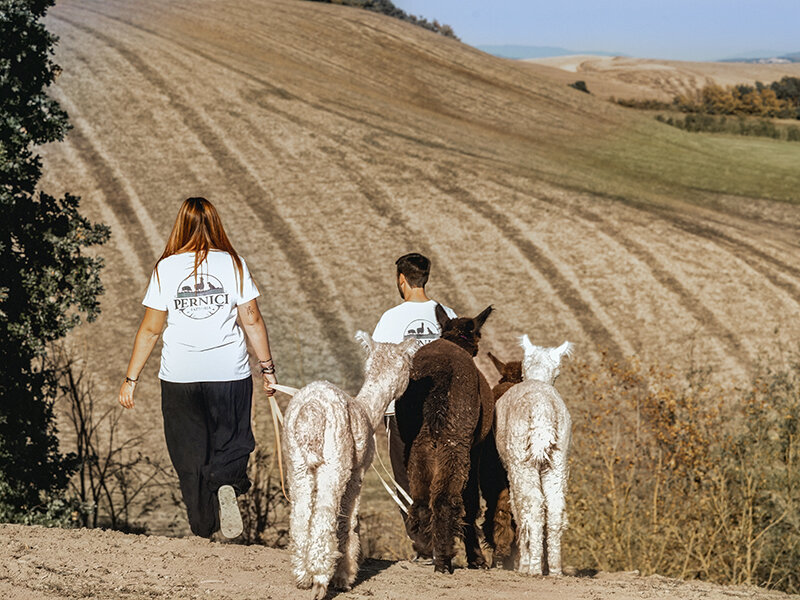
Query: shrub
<point x="675" y="476"/>
<point x="702" y="122"/>
<point x="780" y="99"/>
<point x="386" y="7"/>
<point x="580" y="86"/>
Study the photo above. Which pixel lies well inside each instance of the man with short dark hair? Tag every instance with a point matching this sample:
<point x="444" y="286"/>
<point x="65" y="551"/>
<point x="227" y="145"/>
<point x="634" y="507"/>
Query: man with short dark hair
<point x="415" y="317"/>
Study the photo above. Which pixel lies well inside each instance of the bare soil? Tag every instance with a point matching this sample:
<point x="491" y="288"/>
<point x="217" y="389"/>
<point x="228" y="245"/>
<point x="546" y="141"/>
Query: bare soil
<point x="49" y="564"/>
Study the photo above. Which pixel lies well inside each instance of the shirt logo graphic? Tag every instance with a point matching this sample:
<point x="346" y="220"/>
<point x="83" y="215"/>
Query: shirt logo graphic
<point x="422" y="330"/>
<point x="200" y="298"/>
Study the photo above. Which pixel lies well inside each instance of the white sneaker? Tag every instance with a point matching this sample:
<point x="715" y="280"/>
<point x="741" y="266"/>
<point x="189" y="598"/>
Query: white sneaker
<point x="230" y="519"/>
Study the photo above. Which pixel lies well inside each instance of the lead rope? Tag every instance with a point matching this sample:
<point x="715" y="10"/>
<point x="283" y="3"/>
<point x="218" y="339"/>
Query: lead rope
<point x="397" y="486"/>
<point x="277" y="418"/>
<point x="277" y="422"/>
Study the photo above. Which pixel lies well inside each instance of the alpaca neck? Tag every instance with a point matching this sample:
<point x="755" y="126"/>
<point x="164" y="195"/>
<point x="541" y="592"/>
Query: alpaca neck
<point x="375" y="396"/>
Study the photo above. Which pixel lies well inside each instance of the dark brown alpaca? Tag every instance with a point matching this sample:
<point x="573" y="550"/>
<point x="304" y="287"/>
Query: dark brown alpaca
<point x="499" y="530"/>
<point x="445" y="412"/>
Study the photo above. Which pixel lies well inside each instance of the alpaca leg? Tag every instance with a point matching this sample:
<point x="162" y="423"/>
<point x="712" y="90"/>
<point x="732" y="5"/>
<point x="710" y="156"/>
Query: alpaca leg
<point x="504" y="531"/>
<point x="301" y="490"/>
<point x="554" y="483"/>
<point x="418" y="524"/>
<point x="529" y="500"/>
<point x="447" y="504"/>
<point x="498" y="525"/>
<point x="521" y="533"/>
<point x="472" y="509"/>
<point x="349" y="544"/>
<point x="323" y="543"/>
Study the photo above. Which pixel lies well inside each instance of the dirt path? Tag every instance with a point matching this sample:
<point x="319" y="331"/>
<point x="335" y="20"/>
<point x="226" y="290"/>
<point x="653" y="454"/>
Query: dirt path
<point x="54" y="563"/>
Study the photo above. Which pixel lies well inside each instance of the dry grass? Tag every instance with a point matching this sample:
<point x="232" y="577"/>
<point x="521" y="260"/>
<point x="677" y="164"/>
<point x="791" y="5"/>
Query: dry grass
<point x="674" y="476"/>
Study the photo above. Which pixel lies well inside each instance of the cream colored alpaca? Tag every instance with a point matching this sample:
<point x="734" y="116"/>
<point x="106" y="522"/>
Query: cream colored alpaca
<point x="533" y="430"/>
<point x="328" y="443"/>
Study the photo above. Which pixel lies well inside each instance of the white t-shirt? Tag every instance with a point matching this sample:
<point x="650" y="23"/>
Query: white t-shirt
<point x="409" y="320"/>
<point x="202" y="341"/>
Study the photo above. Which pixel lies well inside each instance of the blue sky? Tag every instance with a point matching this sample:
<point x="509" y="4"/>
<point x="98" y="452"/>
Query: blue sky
<point x="677" y="29"/>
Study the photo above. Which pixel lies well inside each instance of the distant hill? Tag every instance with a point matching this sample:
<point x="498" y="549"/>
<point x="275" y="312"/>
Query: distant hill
<point x="521" y="52"/>
<point x="766" y="58"/>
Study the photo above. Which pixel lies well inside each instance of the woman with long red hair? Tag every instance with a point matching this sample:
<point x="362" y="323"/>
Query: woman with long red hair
<point x="201" y="288"/>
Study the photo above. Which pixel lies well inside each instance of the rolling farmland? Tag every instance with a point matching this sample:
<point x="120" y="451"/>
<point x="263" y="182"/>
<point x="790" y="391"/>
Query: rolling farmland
<point x="333" y="140"/>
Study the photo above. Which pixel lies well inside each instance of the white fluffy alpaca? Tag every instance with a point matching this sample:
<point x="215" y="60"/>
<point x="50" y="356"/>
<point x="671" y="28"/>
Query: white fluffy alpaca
<point x="533" y="430"/>
<point x="328" y="443"/>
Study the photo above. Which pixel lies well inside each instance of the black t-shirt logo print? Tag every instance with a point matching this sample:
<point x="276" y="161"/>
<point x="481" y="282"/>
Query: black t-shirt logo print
<point x="421" y="329"/>
<point x="201" y="297"/>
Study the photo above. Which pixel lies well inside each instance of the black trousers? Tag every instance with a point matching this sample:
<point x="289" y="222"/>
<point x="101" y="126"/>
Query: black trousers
<point x="397" y="456"/>
<point x="209" y="439"/>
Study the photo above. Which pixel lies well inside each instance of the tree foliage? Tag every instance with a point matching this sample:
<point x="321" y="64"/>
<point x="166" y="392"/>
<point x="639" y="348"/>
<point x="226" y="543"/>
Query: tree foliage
<point x="780" y="99"/>
<point x="387" y="7"/>
<point x="46" y="281"/>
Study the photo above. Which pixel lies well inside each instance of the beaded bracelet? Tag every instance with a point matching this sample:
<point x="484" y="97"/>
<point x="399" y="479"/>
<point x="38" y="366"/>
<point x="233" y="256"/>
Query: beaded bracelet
<point x="267" y="366"/>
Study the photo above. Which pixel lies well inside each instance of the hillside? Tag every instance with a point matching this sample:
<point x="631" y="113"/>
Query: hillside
<point x="624" y="77"/>
<point x="334" y="140"/>
<point x="51" y="564"/>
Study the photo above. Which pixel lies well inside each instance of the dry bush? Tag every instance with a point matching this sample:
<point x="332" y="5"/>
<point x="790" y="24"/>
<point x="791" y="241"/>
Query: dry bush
<point x="265" y="511"/>
<point x="116" y="482"/>
<point x="672" y="475"/>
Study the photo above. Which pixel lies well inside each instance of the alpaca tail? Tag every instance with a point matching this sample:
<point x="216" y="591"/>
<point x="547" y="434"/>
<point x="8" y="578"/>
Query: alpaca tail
<point x="538" y="435"/>
<point x="309" y="417"/>
<point x="436" y="407"/>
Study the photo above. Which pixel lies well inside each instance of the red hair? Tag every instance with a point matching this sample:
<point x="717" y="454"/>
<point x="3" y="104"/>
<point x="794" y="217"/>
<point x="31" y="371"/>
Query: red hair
<point x="199" y="229"/>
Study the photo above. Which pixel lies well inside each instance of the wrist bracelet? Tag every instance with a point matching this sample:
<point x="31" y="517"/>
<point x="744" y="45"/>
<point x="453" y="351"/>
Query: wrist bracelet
<point x="267" y="370"/>
<point x="131" y="380"/>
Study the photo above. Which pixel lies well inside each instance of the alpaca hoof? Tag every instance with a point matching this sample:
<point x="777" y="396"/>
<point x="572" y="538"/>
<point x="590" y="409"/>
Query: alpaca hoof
<point x="340" y="583"/>
<point x="320" y="591"/>
<point x="478" y="563"/>
<point x="443" y="566"/>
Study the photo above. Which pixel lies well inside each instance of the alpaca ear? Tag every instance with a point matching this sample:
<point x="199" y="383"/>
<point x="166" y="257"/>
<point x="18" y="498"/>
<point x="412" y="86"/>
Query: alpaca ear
<point x="441" y="316"/>
<point x="563" y="350"/>
<point x="527" y="345"/>
<point x="498" y="364"/>
<point x="410" y="346"/>
<point x="366" y="341"/>
<point x="481" y="318"/>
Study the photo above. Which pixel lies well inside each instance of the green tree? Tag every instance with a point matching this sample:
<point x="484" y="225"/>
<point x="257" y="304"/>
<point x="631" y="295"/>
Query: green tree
<point x="46" y="281"/>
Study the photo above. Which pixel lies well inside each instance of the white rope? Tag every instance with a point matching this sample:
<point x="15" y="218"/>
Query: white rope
<point x="389" y="490"/>
<point x="397" y="486"/>
<point x="277" y="416"/>
<point x="286" y="389"/>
